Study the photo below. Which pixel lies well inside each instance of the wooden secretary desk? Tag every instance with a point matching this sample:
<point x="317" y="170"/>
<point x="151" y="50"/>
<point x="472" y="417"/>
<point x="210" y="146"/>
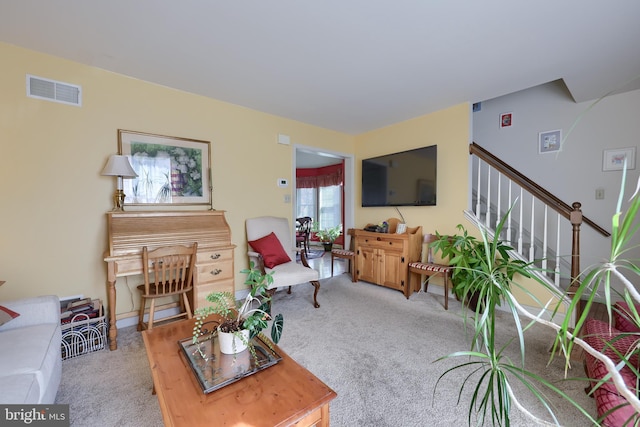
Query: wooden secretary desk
<point x="129" y="232"/>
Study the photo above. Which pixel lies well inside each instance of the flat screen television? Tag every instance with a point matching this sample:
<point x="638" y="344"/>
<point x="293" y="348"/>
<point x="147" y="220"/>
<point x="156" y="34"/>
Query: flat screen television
<point x="407" y="178"/>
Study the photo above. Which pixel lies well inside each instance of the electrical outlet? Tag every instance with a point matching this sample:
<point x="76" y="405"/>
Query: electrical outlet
<point x="599" y="193"/>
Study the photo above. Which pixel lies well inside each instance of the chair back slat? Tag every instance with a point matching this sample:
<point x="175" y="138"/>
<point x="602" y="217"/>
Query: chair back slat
<point x="169" y="270"/>
<point x="428" y="239"/>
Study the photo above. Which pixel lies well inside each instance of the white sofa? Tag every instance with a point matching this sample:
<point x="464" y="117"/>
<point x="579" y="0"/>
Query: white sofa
<point x="30" y="357"/>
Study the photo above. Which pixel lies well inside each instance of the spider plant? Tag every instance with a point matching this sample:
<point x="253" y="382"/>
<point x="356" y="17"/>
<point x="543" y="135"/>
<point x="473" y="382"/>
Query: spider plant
<point x="485" y="269"/>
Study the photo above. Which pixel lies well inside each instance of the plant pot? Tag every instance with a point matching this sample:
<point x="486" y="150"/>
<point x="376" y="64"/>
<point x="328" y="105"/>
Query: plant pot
<point x="230" y="343"/>
<point x="327" y="246"/>
<point x="473" y="300"/>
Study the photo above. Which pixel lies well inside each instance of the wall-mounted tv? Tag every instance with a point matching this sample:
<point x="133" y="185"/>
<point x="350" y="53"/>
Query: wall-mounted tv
<point x="407" y="178"/>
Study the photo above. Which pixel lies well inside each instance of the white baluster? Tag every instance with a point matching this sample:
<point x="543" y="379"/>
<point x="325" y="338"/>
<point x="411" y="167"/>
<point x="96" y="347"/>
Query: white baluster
<point x="544" y="239"/>
<point x="487" y="219"/>
<point x="520" y="223"/>
<point x="499" y="211"/>
<point x="557" y="273"/>
<point x="509" y="235"/>
<point x="478" y="189"/>
<point x="532" y="231"/>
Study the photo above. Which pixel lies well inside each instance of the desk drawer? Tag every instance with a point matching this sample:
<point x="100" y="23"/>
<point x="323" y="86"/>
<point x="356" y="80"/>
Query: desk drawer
<point x="218" y="270"/>
<point x="128" y="267"/>
<point x="201" y="291"/>
<point x="214" y="255"/>
<point x="382" y="242"/>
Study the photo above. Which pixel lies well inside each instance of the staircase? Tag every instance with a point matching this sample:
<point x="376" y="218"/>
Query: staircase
<point x="540" y="227"/>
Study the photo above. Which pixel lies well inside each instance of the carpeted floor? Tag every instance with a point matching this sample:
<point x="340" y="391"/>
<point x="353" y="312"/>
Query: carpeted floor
<point x="374" y="347"/>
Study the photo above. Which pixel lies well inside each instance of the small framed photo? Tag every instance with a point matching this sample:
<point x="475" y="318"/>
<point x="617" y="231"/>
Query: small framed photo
<point x="171" y="170"/>
<point x="613" y="160"/>
<point x="549" y="141"/>
<point x="506" y="120"/>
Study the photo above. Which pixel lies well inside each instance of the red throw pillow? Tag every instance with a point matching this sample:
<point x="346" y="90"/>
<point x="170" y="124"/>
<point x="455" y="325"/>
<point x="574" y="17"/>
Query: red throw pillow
<point x="271" y="250"/>
<point x="6" y="315"/>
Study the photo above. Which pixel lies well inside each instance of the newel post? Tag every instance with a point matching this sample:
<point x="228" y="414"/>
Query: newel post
<point x="576" y="220"/>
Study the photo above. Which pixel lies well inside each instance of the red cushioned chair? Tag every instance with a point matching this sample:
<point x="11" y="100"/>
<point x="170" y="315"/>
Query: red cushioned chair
<point x="623" y="317"/>
<point x="600" y="336"/>
<point x="429" y="269"/>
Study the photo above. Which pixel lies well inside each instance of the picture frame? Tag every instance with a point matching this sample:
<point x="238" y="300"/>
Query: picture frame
<point x="613" y="160"/>
<point x="506" y="120"/>
<point x="549" y="141"/>
<point x="171" y="170"/>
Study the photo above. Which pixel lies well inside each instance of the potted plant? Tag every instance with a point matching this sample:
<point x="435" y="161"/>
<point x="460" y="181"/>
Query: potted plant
<point x="478" y="263"/>
<point x="244" y="319"/>
<point x="328" y="235"/>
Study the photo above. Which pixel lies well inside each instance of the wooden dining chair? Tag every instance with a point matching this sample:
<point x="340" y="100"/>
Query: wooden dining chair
<point x="429" y="268"/>
<point x="167" y="271"/>
<point x="303" y="232"/>
<point x="348" y="254"/>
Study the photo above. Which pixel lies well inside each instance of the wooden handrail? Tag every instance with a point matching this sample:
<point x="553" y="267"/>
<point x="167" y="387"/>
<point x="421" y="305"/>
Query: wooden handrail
<point x="536" y="190"/>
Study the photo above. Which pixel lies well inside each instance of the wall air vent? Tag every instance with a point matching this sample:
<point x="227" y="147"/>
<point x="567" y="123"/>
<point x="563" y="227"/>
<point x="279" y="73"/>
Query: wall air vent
<point x="51" y="90"/>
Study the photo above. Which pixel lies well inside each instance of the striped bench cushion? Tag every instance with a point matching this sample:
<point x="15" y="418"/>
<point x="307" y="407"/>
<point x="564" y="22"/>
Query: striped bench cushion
<point x="343" y="252"/>
<point x="430" y="267"/>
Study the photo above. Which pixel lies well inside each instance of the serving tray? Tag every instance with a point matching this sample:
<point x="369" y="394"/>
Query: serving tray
<point x="214" y="370"/>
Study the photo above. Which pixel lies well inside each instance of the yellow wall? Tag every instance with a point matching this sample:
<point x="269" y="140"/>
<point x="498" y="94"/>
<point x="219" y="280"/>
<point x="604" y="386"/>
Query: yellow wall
<point x="450" y="130"/>
<point x="52" y="214"/>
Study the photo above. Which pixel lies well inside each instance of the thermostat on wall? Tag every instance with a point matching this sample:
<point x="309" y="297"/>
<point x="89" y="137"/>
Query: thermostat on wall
<point x="283" y="182"/>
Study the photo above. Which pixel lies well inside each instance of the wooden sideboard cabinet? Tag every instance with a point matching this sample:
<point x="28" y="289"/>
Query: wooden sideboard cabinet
<point x="383" y="258"/>
<point x="129" y="232"/>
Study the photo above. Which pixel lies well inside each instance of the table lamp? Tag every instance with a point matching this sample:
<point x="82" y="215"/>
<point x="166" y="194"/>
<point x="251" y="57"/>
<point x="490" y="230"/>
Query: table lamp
<point x="120" y="167"/>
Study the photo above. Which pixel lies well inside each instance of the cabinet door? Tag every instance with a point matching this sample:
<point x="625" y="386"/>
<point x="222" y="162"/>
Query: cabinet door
<point x="391" y="269"/>
<point x="367" y="264"/>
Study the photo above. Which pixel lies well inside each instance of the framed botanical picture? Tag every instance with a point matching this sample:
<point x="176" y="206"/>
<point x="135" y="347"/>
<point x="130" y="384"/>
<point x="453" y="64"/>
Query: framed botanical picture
<point x="506" y="120"/>
<point x="170" y="170"/>
<point x="613" y="160"/>
<point x="549" y="141"/>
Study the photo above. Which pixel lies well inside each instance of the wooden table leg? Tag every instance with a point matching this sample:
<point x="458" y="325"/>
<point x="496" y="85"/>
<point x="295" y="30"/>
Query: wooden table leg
<point x="111" y="295"/>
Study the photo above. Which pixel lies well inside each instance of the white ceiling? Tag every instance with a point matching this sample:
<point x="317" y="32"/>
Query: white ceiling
<point x="346" y="65"/>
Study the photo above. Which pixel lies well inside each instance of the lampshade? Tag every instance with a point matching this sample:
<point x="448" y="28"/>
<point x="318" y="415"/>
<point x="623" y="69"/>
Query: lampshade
<point x="119" y="165"/>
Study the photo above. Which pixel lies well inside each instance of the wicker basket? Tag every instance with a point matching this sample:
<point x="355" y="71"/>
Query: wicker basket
<point x="84" y="335"/>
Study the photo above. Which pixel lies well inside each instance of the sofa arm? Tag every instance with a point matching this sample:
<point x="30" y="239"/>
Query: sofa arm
<point x="33" y="311"/>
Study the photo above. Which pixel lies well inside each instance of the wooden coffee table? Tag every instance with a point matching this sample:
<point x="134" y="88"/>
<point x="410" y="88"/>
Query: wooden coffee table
<point x="282" y="395"/>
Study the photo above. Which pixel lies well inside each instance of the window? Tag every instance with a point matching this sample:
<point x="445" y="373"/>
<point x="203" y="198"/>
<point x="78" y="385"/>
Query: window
<point x="319" y="194"/>
<point x="323" y="204"/>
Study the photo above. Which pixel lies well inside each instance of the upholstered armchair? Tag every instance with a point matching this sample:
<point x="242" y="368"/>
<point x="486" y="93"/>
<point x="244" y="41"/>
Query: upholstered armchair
<point x="270" y="248"/>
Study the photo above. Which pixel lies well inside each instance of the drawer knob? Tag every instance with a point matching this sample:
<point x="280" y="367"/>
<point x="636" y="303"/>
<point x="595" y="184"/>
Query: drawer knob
<point x="378" y="239"/>
<point x="215" y="256"/>
<point x="216" y="271"/>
